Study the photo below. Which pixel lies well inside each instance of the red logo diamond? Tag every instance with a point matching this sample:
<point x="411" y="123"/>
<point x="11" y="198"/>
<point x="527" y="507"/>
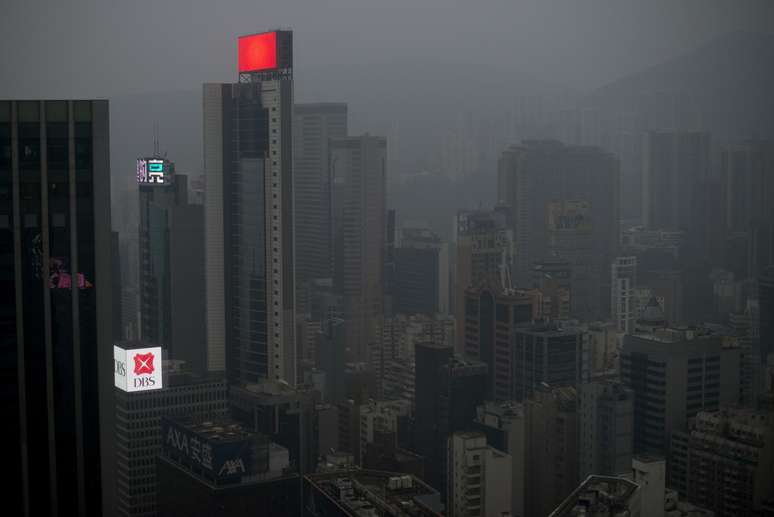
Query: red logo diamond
<point x="143" y="363"/>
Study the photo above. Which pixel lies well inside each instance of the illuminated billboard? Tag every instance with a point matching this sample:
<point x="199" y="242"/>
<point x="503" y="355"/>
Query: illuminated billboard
<point x="138" y="369"/>
<point x="265" y="51"/>
<point x="153" y="171"/>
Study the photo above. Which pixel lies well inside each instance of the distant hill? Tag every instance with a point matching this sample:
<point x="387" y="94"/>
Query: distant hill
<point x="726" y="85"/>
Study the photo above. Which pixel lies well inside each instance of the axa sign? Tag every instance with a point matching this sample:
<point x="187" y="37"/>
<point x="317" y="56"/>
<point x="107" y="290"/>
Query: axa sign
<point x="137" y="369"/>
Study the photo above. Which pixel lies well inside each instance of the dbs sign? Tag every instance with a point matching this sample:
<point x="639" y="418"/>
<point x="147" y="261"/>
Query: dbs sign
<point x="137" y="369"/>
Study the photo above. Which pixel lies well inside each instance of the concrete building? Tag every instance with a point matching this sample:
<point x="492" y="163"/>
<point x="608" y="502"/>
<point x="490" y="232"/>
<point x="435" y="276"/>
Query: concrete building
<point x="249" y="222"/>
<point x="606" y="415"/>
<point x="314" y="125"/>
<point x="368" y="493"/>
<point x="380" y="417"/>
<point x="746" y="184"/>
<point x="563" y="202"/>
<point x="725" y="461"/>
<point x="484" y="257"/>
<point x="553" y="278"/>
<point x="359" y="175"/>
<point x="138" y="438"/>
<point x="547" y="353"/>
<point x="766" y="313"/>
<point x="675" y="373"/>
<point x="56" y="299"/>
<point x="622" y="297"/>
<point x="479" y="477"/>
<point x="492" y="318"/>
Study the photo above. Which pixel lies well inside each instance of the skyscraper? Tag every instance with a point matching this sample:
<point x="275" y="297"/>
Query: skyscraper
<point x="313" y="126"/>
<point x="172" y="272"/>
<point x="55" y="288"/>
<point x="622" y="295"/>
<point x="358" y="172"/>
<point x="766" y="313"/>
<point x="563" y="202"/>
<point x="421" y="270"/>
<point x="249" y="214"/>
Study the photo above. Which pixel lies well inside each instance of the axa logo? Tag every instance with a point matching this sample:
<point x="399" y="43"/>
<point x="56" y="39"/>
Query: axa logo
<point x="143" y="363"/>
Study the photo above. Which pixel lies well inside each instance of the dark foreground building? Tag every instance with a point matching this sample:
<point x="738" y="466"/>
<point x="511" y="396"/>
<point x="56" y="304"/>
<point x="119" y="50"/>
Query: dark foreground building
<point x="55" y="305"/>
<point x="218" y="469"/>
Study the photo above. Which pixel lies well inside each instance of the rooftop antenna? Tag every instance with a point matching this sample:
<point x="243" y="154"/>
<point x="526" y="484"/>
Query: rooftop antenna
<point x="156" y="139"/>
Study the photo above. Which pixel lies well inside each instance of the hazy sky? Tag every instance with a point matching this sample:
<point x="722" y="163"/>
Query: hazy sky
<point x="99" y="48"/>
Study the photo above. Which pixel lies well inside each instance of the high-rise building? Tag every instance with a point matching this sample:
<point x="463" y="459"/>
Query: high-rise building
<point x="218" y="467"/>
<point x="623" y="307"/>
<point x="747" y="184"/>
<point x="552" y="451"/>
<point x="172" y="271"/>
<point x="545" y="353"/>
<point x="314" y="125"/>
<point x="138" y="436"/>
<point x="55" y="321"/>
<point x="725" y="461"/>
<point x="675" y="373"/>
<point x="358" y="173"/>
<point x="766" y="313"/>
<point x="676" y="185"/>
<point x="491" y="320"/>
<point x="484" y="257"/>
<point x="117" y="294"/>
<point x="479" y="477"/>
<point x="606" y="415"/>
<point x="448" y="390"/>
<point x="421" y="282"/>
<point x="249" y="215"/>
<point x="552" y="276"/>
<point x="563" y="202"/>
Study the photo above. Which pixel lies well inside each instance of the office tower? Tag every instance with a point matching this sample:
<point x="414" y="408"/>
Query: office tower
<point x="766" y="313"/>
<point x="354" y="493"/>
<point x="676" y="176"/>
<point x="313" y="126"/>
<point x="505" y="427"/>
<point x="172" y="270"/>
<point x="545" y="353"/>
<point x="447" y="391"/>
<point x="138" y="437"/>
<point x="491" y="320"/>
<point x="725" y="461"/>
<point x="332" y="358"/>
<point x="553" y="278"/>
<point x="563" y="202"/>
<point x="117" y="294"/>
<point x="249" y="215"/>
<point x="56" y="293"/>
<point x="552" y="451"/>
<point x="602" y="346"/>
<point x="747" y="184"/>
<point x="675" y="373"/>
<point x="602" y="495"/>
<point x="484" y="256"/>
<point x="384" y="453"/>
<point x="284" y="414"/>
<point x="479" y="477"/>
<point x="359" y="178"/>
<point x="218" y="467"/>
<point x="606" y="415"/>
<point x="421" y="281"/>
<point x="380" y="417"/>
<point x="622" y="300"/>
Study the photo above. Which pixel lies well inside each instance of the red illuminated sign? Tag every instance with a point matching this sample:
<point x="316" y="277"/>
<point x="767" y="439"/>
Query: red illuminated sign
<point x="143" y="363"/>
<point x="257" y="52"/>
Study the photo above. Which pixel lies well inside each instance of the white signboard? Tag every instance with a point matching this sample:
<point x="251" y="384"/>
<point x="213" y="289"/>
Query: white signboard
<point x="138" y="369"/>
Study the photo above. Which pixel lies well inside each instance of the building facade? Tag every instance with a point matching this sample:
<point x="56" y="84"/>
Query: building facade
<point x="56" y="294"/>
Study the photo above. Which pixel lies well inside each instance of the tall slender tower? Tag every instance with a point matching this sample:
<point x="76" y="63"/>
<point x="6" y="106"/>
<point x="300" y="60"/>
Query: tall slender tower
<point x="55" y="307"/>
<point x="249" y="214"/>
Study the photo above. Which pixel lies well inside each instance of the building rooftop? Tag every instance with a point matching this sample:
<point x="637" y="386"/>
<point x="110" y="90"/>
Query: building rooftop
<point x="601" y="496"/>
<point x="377" y="493"/>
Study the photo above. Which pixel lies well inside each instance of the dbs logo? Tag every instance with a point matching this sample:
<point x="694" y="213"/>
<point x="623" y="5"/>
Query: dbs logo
<point x="143" y="363"/>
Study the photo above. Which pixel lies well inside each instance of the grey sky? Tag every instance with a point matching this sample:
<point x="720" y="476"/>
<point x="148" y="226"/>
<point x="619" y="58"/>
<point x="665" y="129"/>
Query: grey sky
<point x="91" y="48"/>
